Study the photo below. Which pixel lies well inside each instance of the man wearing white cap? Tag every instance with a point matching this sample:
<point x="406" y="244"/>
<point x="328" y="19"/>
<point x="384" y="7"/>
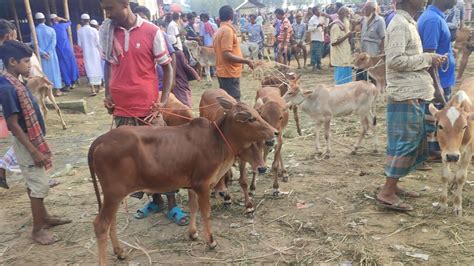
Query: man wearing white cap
<point x="67" y="60"/>
<point x="88" y="40"/>
<point x="94" y="24"/>
<point x="49" y="58"/>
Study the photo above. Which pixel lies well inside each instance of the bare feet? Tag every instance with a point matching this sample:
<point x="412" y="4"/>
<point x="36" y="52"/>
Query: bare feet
<point x="43" y="237"/>
<point x="52" y="221"/>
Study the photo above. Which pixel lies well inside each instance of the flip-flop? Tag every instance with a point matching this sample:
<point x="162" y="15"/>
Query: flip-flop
<point x="147" y="210"/>
<point x="178" y="216"/>
<point x="398" y="206"/>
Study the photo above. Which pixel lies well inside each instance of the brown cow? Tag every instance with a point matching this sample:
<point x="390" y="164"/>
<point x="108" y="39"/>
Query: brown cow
<point x="193" y="156"/>
<point x="455" y="129"/>
<point x="283" y="84"/>
<point x="42" y="88"/>
<point x="272" y="108"/>
<point x="209" y="108"/>
<point x="175" y="112"/>
<point x="463" y="48"/>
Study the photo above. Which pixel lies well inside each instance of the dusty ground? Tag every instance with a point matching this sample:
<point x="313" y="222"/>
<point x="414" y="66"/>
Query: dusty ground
<point x="341" y="224"/>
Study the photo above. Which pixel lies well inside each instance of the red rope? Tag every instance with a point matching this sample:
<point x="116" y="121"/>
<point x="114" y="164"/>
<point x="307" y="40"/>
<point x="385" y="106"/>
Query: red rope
<point x="161" y="110"/>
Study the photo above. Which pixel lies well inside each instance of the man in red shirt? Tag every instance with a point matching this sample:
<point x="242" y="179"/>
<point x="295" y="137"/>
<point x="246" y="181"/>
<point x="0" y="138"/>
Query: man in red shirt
<point x="132" y="47"/>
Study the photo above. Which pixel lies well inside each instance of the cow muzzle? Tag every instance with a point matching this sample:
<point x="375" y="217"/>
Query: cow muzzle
<point x="262" y="170"/>
<point x="270" y="143"/>
<point x="452" y="158"/>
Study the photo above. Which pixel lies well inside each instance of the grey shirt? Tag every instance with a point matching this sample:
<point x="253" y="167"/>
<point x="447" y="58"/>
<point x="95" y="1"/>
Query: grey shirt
<point x="372" y="34"/>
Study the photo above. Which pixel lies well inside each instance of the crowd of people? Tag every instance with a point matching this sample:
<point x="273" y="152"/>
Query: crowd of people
<point x="139" y="62"/>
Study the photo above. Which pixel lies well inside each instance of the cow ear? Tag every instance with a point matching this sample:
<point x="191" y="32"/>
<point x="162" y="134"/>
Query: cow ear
<point x="307" y="93"/>
<point x="433" y="109"/>
<point x="227" y="105"/>
<point x="258" y="104"/>
<point x="470" y="116"/>
<point x="242" y="116"/>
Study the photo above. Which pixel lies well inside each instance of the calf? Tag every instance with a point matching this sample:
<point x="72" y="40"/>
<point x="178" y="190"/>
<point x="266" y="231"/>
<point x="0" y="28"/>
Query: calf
<point x="282" y="84"/>
<point x="42" y="88"/>
<point x="298" y="50"/>
<point x="175" y="112"/>
<point x="375" y="66"/>
<point x="209" y="108"/>
<point x="192" y="156"/>
<point x="272" y="108"/>
<point x="326" y="102"/>
<point x="205" y="56"/>
<point x="455" y="131"/>
<point x="250" y="50"/>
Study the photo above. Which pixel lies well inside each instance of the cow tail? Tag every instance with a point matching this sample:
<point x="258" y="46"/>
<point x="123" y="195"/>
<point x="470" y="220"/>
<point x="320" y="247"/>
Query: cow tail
<point x="90" y="159"/>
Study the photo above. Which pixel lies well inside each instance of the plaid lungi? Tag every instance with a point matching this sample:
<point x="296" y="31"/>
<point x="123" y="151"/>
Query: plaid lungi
<point x="406" y="137"/>
<point x="8" y="160"/>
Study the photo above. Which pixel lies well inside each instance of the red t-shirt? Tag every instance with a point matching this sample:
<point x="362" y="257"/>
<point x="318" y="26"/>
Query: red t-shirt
<point x="133" y="83"/>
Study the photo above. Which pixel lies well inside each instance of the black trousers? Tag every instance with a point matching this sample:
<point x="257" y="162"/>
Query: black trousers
<point x="231" y="86"/>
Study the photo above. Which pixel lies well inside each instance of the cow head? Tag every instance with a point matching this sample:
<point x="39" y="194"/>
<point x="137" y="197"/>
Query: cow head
<point x="245" y="124"/>
<point x="254" y="155"/>
<point x="362" y="60"/>
<point x="294" y="95"/>
<point x="271" y="112"/>
<point x="193" y="47"/>
<point x="453" y="126"/>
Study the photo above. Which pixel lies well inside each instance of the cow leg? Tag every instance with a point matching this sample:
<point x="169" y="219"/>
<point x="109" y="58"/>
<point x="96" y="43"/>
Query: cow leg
<point x="275" y="166"/>
<point x="56" y="107"/>
<point x="460" y="179"/>
<point x="102" y="226"/>
<point x="245" y="187"/>
<point x="305" y="54"/>
<point x="373" y="125"/>
<point x="208" y="73"/>
<point x="118" y="251"/>
<point x="205" y="209"/>
<point x="364" y="123"/>
<point x="283" y="169"/>
<point x="443" y="198"/>
<point x="193" y="207"/>
<point x="297" y="119"/>
<point x="297" y="57"/>
<point x="317" y="127"/>
<point x="253" y="184"/>
<point x="327" y="135"/>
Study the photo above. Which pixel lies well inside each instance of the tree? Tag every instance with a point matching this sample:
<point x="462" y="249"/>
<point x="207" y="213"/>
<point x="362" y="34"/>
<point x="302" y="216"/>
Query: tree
<point x="210" y="6"/>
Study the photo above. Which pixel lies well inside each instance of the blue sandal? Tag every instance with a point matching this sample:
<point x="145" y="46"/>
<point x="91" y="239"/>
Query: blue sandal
<point x="147" y="210"/>
<point x="178" y="216"/>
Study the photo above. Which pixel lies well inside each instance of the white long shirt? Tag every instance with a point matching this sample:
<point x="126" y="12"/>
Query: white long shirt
<point x="88" y="40"/>
<point x="317" y="33"/>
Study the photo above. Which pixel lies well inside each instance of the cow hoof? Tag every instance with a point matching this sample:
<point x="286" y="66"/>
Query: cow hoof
<point x="64" y="127"/>
<point x="457" y="212"/>
<point x="249" y="211"/>
<point x="222" y="194"/>
<point x="276" y="192"/>
<point x="327" y="156"/>
<point x="318" y="153"/>
<point x="194" y="236"/>
<point x="120" y="254"/>
<point x="440" y="208"/>
<point x="227" y="203"/>
<point x="375" y="151"/>
<point x="354" y="152"/>
<point x="285" y="178"/>
<point x="212" y="245"/>
<point x="251" y="192"/>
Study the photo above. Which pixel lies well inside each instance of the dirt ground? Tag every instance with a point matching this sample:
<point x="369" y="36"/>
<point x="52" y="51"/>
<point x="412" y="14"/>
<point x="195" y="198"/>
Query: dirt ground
<point x="341" y="223"/>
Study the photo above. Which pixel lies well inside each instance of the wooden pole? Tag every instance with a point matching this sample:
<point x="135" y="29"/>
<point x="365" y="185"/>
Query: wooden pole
<point x="66" y="16"/>
<point x="54" y="9"/>
<point x="34" y="37"/>
<point x="47" y="12"/>
<point x="17" y="22"/>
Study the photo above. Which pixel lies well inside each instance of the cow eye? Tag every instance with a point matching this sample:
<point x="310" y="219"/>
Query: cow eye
<point x="440" y="127"/>
<point x="281" y="117"/>
<point x="252" y="119"/>
<point x="465" y="127"/>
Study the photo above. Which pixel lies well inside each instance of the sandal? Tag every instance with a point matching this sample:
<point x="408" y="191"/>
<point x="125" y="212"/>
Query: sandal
<point x="398" y="206"/>
<point x="178" y="216"/>
<point x="147" y="210"/>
